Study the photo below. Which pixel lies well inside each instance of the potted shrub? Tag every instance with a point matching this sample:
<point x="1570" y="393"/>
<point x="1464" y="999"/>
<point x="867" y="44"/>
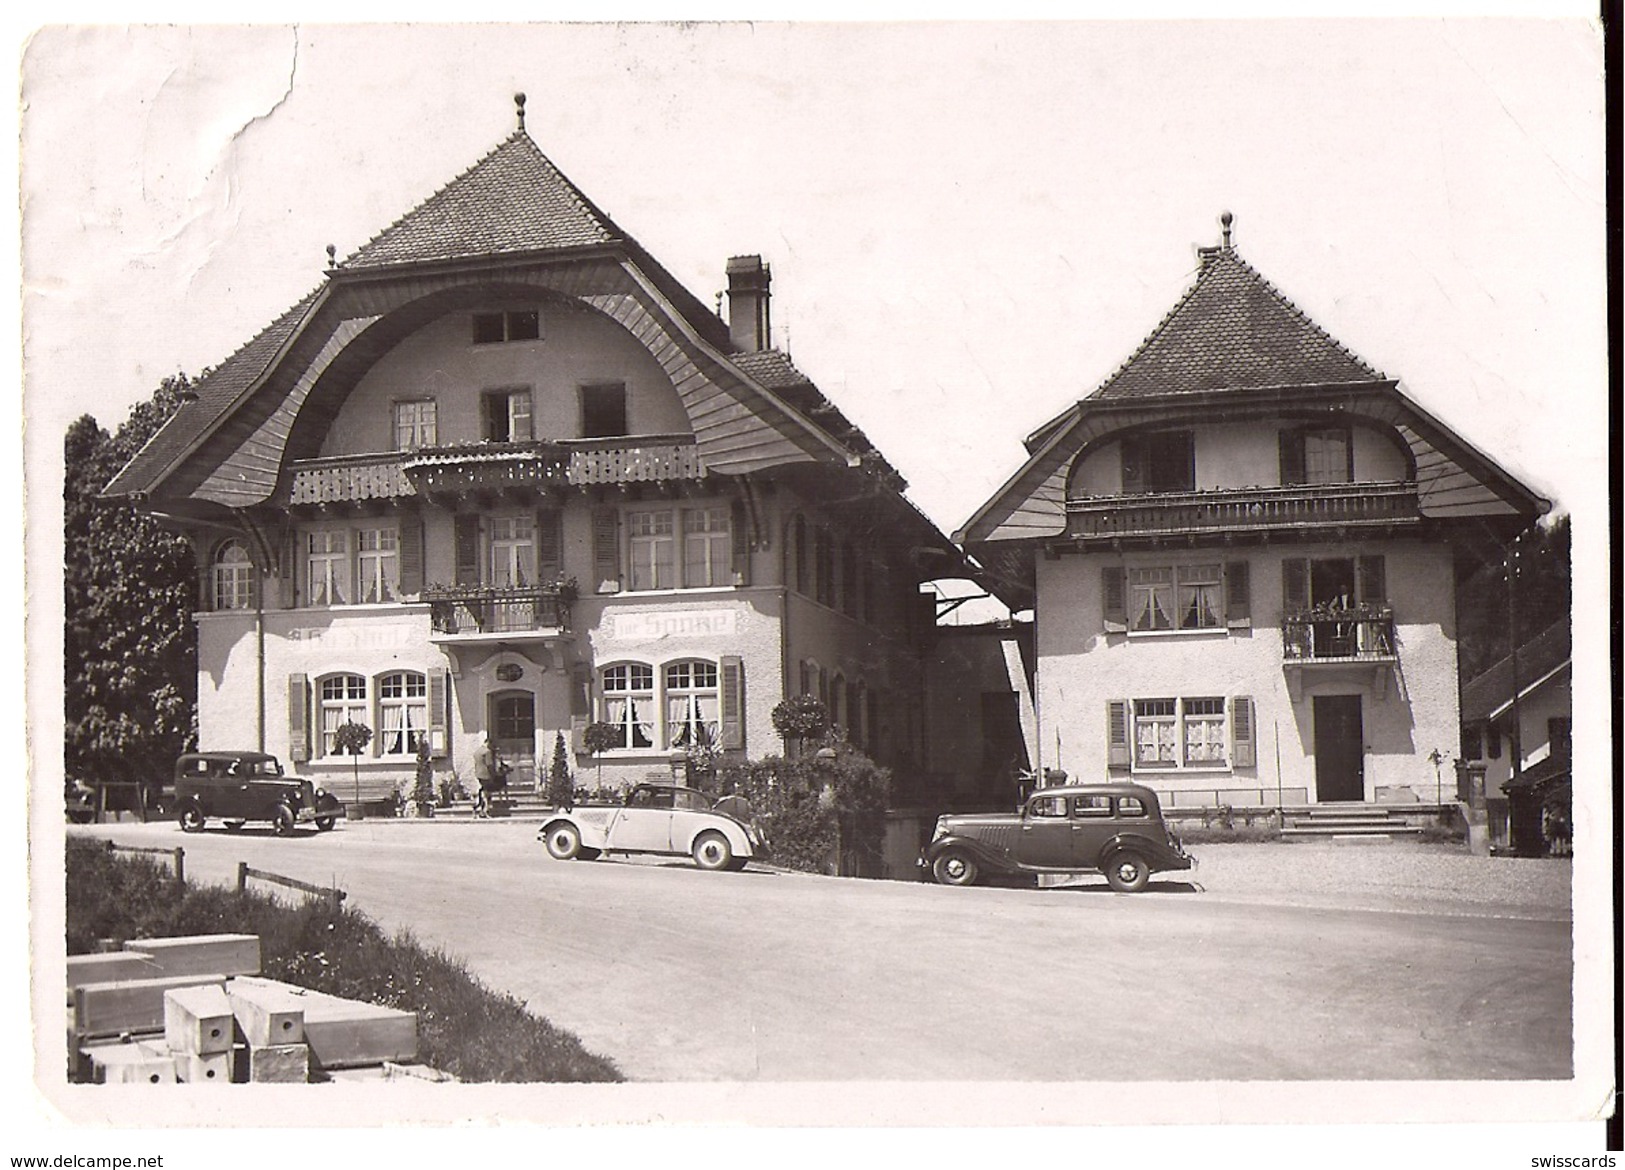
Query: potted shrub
<point x="423" y="796"/>
<point x="352" y="738"/>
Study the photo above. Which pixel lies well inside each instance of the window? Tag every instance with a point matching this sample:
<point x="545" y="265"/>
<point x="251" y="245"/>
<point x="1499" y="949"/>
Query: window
<point x="378" y="573"/>
<point x="1560" y="734"/>
<point x="1176" y="733"/>
<point x="233" y="576"/>
<point x="403" y="713"/>
<point x="1095" y="805"/>
<point x="603" y="410"/>
<point x="653" y="549"/>
<point x="513" y="550"/>
<point x="1201" y="597"/>
<point x="343" y="700"/>
<point x="706" y="552"/>
<point x="691" y="704"/>
<point x="1312" y="455"/>
<point x="1185" y="597"/>
<point x="329" y="567"/>
<point x="629" y="704"/>
<point x="415" y="425"/>
<point x="1151" y="592"/>
<point x="505" y="416"/>
<point x="1048" y="806"/>
<point x="1130" y="806"/>
<point x="513" y="325"/>
<point x="1164" y="462"/>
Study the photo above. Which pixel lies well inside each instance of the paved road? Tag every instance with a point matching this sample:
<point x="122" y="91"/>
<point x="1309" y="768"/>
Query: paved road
<point x="680" y="975"/>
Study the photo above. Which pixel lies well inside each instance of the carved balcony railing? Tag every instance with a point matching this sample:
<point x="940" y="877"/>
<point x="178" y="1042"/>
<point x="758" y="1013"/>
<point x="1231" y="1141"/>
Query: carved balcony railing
<point x="1361" y="634"/>
<point x="461" y="610"/>
<point x="1244" y="509"/>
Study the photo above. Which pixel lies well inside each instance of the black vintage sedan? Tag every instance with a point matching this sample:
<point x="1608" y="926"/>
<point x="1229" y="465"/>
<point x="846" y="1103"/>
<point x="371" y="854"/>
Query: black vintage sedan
<point x="238" y="787"/>
<point x="1116" y="829"/>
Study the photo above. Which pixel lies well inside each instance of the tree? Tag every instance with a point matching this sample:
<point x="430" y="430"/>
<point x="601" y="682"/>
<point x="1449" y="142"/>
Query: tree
<point x="600" y="737"/>
<point x="129" y="655"/>
<point x="1543" y="596"/>
<point x="800" y="718"/>
<point x="352" y="738"/>
<point x="560" y="784"/>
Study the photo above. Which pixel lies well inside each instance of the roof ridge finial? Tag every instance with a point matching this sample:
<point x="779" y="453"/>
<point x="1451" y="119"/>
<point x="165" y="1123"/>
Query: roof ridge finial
<point x="332" y="256"/>
<point x="519" y="106"/>
<point x="1225" y="220"/>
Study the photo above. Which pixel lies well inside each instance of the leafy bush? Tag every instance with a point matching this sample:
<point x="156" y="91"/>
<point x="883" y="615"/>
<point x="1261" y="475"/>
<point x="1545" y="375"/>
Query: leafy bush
<point x="801" y="717"/>
<point x="464" y="1028"/>
<point x="560" y="784"/>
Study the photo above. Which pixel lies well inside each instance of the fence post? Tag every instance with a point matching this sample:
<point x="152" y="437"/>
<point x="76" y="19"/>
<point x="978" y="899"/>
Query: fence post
<point x="242" y="876"/>
<point x="180" y="866"/>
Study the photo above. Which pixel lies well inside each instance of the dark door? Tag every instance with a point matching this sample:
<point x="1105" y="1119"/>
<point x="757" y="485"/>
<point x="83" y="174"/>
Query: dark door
<point x="1046" y="833"/>
<point x="1339" y="748"/>
<point x="513" y="727"/>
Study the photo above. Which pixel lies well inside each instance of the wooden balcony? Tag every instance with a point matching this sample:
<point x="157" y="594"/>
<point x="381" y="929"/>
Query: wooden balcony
<point x="1342" y="505"/>
<point x="474" y="612"/>
<point x="1358" y="644"/>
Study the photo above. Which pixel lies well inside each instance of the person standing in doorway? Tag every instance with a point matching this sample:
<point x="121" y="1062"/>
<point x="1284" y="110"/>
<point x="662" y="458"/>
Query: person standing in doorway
<point x="485" y="773"/>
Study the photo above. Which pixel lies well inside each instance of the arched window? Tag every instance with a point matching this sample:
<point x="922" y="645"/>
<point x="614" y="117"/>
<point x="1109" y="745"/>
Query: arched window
<point x="343" y="699"/>
<point x="629" y="704"/>
<point x="838" y="710"/>
<point x="691" y="704"/>
<point x="403" y="713"/>
<point x="233" y="576"/>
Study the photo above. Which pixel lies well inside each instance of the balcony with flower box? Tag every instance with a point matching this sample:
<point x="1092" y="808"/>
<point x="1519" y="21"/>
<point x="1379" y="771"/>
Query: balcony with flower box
<point x="470" y="622"/>
<point x="1357" y="643"/>
<point x="1383" y="506"/>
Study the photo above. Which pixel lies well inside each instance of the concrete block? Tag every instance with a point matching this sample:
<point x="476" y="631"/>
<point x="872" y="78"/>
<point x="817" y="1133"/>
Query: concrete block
<point x="344" y="1032"/>
<point x="135" y="1063"/>
<point x="109" y="968"/>
<point x="277" y="1064"/>
<point x="129" y="1005"/>
<point x="198" y="954"/>
<point x="416" y="1072"/>
<point x="194" y="1068"/>
<point x="198" y="1020"/>
<point x="267" y="1012"/>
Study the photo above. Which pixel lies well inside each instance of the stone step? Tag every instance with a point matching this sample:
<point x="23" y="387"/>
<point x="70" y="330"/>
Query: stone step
<point x="1395" y="829"/>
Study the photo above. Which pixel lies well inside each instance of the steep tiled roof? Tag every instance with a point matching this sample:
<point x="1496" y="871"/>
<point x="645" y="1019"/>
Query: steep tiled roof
<point x="1233" y="330"/>
<point x="1484" y="694"/>
<point x="513" y="200"/>
<point x="216" y="391"/>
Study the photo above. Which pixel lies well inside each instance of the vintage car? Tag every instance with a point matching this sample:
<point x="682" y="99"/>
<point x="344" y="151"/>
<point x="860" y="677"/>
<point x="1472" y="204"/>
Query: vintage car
<point x="1116" y="829"/>
<point x="659" y="818"/>
<point x="239" y="787"/>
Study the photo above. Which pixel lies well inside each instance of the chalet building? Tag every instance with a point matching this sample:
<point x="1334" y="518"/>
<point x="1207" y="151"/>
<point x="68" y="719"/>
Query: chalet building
<point x="1242" y="551"/>
<point x="500" y="473"/>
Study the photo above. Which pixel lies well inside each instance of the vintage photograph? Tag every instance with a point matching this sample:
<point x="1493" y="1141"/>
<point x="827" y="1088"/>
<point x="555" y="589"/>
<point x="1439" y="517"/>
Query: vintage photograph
<point x="817" y="574"/>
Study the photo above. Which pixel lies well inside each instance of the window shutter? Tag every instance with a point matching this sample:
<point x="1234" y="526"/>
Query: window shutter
<point x="1133" y="467"/>
<point x="287" y="568"/>
<point x="1243" y="748"/>
<point x="1292" y="469"/>
<point x="580" y="708"/>
<point x="468" y="549"/>
<point x="606" y="550"/>
<point x="411" y="546"/>
<point x="1114" y="598"/>
<point x="739" y="542"/>
<point x="298" y="718"/>
<point x="549" y="546"/>
<point x="439" y="701"/>
<point x="1294" y="584"/>
<point x="732" y="703"/>
<point x="1238" y="603"/>
<point x="1372" y="575"/>
<point x="1118" y="753"/>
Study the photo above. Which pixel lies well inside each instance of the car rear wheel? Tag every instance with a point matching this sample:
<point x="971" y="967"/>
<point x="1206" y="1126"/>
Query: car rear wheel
<point x="712" y="851"/>
<point x="954" y="868"/>
<point x="1127" y="873"/>
<point x="323" y="824"/>
<point x="283" y="820"/>
<point x="563" y="842"/>
<point x="192" y="817"/>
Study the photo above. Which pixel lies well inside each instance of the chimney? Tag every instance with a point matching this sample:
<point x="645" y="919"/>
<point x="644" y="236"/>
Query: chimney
<point x="750" y="326"/>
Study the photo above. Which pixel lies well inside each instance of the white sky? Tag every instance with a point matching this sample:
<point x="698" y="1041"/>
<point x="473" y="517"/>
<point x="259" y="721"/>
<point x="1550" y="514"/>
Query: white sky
<point x="969" y="225"/>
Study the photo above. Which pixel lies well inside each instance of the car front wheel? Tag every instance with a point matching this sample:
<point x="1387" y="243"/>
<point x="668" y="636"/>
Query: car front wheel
<point x="192" y="817"/>
<point x="323" y="824"/>
<point x="954" y="868"/>
<point x="712" y="851"/>
<point x="564" y="842"/>
<point x="283" y="820"/>
<point x="1127" y="873"/>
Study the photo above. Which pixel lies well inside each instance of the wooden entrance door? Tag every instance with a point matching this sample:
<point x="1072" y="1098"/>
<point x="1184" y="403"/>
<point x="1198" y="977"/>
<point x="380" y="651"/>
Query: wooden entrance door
<point x="513" y="735"/>
<point x="1339" y="748"/>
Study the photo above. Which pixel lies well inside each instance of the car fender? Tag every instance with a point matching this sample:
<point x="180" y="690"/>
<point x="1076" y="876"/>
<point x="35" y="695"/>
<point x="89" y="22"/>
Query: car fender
<point x="738" y="841"/>
<point x="1156" y="853"/>
<point x="988" y="858"/>
<point x="593" y="829"/>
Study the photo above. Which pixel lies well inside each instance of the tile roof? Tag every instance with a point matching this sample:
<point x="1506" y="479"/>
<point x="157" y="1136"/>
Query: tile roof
<point x="513" y="200"/>
<point x="1485" y="693"/>
<point x="1233" y="330"/>
<point x="216" y="390"/>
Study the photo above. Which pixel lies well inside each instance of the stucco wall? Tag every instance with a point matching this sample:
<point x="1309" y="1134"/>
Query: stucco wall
<point x="1553" y="699"/>
<point x="1081" y="668"/>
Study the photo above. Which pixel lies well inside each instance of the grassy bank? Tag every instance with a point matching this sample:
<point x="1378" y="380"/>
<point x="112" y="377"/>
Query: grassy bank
<point x="464" y="1028"/>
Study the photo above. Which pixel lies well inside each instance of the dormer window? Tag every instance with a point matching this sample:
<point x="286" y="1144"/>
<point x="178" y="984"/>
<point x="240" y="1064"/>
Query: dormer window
<point x="603" y="410"/>
<point x="512" y="325"/>
<point x="1161" y="462"/>
<point x="1311" y="455"/>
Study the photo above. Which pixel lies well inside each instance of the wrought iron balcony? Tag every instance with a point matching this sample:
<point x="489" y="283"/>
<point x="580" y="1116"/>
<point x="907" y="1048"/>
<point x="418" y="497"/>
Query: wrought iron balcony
<point x="1243" y="509"/>
<point x="1360" y="634"/>
<point x="506" y="610"/>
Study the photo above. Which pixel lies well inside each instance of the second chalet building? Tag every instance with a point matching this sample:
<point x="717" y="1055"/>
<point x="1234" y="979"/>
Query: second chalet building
<point x="501" y="474"/>
<point x="1242" y="551"/>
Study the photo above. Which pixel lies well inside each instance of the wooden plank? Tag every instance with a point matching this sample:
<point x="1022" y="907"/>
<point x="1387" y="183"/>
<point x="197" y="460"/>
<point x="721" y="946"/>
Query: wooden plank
<point x="267" y="1012"/>
<point x="129" y="1005"/>
<point x="109" y="968"/>
<point x="199" y="954"/>
<point x="345" y="1032"/>
<point x="277" y="1064"/>
<point x="134" y="1063"/>
<point x="198" y="1020"/>
<point x="416" y="1072"/>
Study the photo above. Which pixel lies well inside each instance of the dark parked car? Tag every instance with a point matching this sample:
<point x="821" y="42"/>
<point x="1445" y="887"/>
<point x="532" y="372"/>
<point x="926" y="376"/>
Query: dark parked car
<point x="1114" y="828"/>
<point x="239" y="787"/>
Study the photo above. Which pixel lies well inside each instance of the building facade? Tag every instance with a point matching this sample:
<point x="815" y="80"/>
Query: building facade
<point x="1242" y="551"/>
<point x="501" y="474"/>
